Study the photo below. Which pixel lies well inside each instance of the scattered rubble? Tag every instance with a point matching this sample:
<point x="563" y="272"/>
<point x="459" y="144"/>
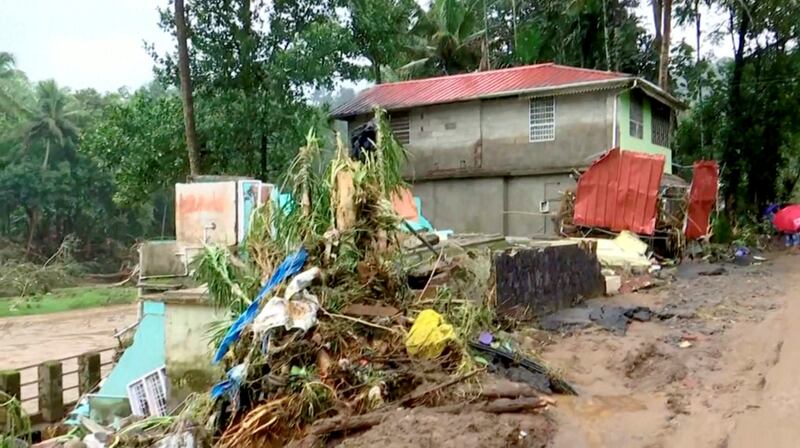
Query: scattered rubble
<point x="336" y="339"/>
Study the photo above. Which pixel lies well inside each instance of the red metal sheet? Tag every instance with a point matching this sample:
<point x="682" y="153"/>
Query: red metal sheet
<point x="619" y="192"/>
<point x="702" y="197"/>
<point x="447" y="89"/>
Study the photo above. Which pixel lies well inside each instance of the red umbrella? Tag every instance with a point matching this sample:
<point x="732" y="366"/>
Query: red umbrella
<point x="787" y="220"/>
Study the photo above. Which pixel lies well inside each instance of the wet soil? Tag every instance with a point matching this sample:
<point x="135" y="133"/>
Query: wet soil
<point x="717" y="371"/>
<point x="423" y="429"/>
<point x="714" y="375"/>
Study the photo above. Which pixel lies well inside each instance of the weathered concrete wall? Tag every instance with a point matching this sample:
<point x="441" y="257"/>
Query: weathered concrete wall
<point x="444" y="138"/>
<point x="506" y="205"/>
<point x="187" y="350"/>
<point x="464" y="205"/>
<point x="205" y="211"/>
<point x="158" y="258"/>
<point x="583" y="128"/>
<point x="524" y="194"/>
<point x="475" y="169"/>
<point x="492" y="137"/>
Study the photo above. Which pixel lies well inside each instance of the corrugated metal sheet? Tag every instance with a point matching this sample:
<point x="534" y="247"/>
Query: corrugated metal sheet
<point x="702" y="198"/>
<point x="448" y="89"/>
<point x="619" y="192"/>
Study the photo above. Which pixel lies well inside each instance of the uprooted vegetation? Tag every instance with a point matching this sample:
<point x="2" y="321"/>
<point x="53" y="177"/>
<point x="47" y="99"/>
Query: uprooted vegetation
<point x="345" y="356"/>
<point x="21" y="275"/>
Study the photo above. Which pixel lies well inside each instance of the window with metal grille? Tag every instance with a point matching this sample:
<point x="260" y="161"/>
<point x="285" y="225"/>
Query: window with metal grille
<point x="660" y="129"/>
<point x="148" y="394"/>
<point x="637" y="116"/>
<point x="138" y="398"/>
<point x="157" y="390"/>
<point x="542" y="119"/>
<point x="401" y="127"/>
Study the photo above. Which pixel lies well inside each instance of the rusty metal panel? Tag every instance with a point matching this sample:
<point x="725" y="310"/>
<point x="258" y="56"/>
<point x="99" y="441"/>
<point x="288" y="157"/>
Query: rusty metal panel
<point x="205" y="211"/>
<point x="702" y="198"/>
<point x="619" y="192"/>
<point x="447" y="89"/>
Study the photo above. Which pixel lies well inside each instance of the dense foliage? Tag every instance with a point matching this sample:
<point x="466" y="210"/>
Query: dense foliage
<point x="101" y="166"/>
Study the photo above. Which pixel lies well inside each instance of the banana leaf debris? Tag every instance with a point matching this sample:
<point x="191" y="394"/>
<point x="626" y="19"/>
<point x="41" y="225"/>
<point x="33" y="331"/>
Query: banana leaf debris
<point x="324" y="335"/>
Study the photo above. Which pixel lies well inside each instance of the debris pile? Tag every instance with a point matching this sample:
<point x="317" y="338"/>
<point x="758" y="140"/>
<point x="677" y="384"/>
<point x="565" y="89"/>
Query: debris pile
<point x="334" y="340"/>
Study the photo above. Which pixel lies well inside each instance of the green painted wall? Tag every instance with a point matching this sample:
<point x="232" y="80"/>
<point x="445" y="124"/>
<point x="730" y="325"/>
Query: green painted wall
<point x="144" y="356"/>
<point x="627" y="142"/>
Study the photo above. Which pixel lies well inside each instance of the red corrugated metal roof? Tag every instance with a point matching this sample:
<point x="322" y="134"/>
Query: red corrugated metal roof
<point x="619" y="192"/>
<point x="448" y="89"/>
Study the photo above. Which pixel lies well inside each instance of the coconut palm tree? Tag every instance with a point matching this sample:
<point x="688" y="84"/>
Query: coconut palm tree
<point x="9" y="82"/>
<point x="6" y="65"/>
<point x="51" y="123"/>
<point x="448" y="37"/>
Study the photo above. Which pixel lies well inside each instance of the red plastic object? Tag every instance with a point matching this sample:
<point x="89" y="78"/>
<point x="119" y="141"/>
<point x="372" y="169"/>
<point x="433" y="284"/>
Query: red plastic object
<point x="787" y="220"/>
<point x="702" y="197"/>
<point x="619" y="192"/>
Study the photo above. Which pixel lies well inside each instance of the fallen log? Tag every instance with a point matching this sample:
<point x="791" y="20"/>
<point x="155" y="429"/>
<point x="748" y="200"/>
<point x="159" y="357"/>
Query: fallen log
<point x="416" y="395"/>
<point x="507" y="390"/>
<point x="499" y="406"/>
<point x="360" y="422"/>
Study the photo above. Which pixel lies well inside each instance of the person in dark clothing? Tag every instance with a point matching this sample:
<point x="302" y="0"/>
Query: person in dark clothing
<point x="363" y="140"/>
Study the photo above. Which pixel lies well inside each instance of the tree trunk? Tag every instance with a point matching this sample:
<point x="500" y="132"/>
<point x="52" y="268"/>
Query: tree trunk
<point x="663" y="66"/>
<point x="186" y="89"/>
<point x="732" y="148"/>
<point x="263" y="161"/>
<point x="32" y="215"/>
<point x="376" y="71"/>
<point x="658" y="7"/>
<point x="605" y="35"/>
<point x="700" y="78"/>
<point x="46" y="154"/>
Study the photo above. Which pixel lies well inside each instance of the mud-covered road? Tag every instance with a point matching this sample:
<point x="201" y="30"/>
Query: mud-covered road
<point x="30" y="340"/>
<point x="721" y="373"/>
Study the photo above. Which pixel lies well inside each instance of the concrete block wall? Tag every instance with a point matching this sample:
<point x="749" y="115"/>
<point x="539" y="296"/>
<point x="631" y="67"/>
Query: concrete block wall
<point x="505" y="205"/>
<point x="492" y="137"/>
<point x="475" y="169"/>
<point x="583" y="128"/>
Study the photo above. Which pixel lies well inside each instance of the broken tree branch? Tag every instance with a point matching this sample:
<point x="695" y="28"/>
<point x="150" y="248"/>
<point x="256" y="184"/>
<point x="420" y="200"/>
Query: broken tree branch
<point x="360" y="422"/>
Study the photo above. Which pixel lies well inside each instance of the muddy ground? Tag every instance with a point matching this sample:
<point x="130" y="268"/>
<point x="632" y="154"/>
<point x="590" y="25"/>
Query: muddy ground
<point x="716" y="374"/>
<point x="719" y="373"/>
<point x="30" y="340"/>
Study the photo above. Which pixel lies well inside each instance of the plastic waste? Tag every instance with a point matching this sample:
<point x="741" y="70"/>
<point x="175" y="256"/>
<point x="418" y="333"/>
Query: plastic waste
<point x="299" y="312"/>
<point x="301" y="281"/>
<point x="429" y="335"/>
<point x="234" y="378"/>
<point x="288" y="267"/>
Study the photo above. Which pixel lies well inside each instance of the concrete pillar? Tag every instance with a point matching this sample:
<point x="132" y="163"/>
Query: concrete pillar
<point x="10" y="383"/>
<point x="51" y="392"/>
<point x="88" y="372"/>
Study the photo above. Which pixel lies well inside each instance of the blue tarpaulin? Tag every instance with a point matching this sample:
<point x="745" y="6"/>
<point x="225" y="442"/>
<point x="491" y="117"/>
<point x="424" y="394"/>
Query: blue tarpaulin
<point x="291" y="265"/>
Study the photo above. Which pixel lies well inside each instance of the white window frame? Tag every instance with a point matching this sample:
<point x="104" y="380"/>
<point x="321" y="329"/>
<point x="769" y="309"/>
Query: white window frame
<point x="148" y="394"/>
<point x="636" y="124"/>
<point x="547" y="129"/>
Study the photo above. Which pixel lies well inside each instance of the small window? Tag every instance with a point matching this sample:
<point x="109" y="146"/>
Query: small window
<point x="660" y="132"/>
<point x="401" y="127"/>
<point x="542" y="119"/>
<point x="148" y="394"/>
<point x="637" y="116"/>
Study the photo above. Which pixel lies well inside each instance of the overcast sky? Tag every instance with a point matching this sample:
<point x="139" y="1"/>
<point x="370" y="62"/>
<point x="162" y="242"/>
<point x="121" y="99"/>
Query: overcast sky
<point x="100" y="43"/>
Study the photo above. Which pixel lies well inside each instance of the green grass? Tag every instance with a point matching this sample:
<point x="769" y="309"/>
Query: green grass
<point x="66" y="299"/>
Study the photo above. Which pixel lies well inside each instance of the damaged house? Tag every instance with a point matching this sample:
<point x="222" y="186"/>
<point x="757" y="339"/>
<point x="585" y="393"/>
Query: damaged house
<point x="492" y="151"/>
